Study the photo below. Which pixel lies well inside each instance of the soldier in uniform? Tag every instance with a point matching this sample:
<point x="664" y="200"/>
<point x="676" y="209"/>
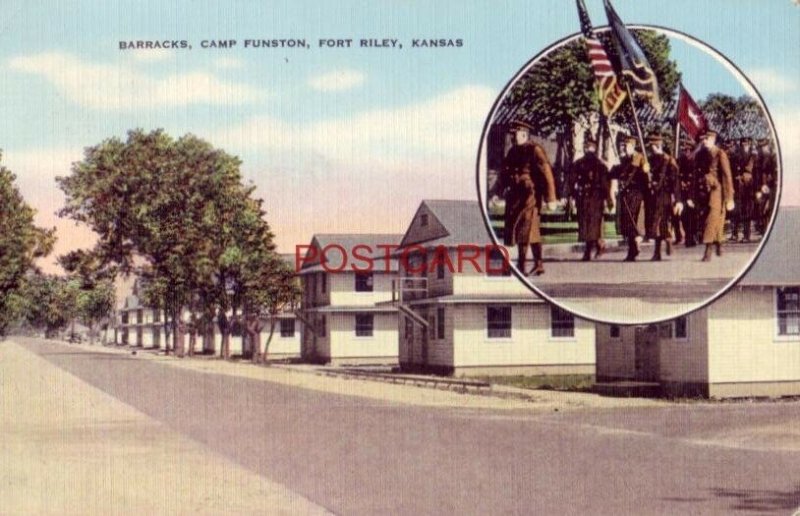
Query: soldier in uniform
<point x="663" y="192"/>
<point x="742" y="167"/>
<point x="688" y="186"/>
<point x="632" y="177"/>
<point x="527" y="179"/>
<point x="592" y="192"/>
<point x="765" y="176"/>
<point x="717" y="183"/>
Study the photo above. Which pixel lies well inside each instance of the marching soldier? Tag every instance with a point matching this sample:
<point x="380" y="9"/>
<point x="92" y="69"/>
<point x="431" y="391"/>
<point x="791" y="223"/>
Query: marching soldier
<point x="743" y="164"/>
<point x="765" y="176"/>
<point x="687" y="178"/>
<point x="663" y="191"/>
<point x="527" y="179"/>
<point x="717" y="184"/>
<point x="632" y="177"/>
<point x="592" y="192"/>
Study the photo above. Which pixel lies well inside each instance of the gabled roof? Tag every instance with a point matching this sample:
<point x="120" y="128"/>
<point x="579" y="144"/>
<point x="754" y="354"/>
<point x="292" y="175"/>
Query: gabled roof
<point x="370" y="243"/>
<point x="779" y="261"/>
<point x="456" y="222"/>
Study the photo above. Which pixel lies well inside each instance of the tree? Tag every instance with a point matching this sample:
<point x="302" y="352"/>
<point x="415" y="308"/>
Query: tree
<point x="95" y="298"/>
<point x="50" y="302"/>
<point x="176" y="213"/>
<point x="735" y="117"/>
<point x="558" y="93"/>
<point x="21" y="243"/>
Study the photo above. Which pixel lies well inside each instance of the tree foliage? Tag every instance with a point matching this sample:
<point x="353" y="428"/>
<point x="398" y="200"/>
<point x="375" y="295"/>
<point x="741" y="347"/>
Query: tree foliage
<point x="21" y="242"/>
<point x="735" y="117"/>
<point x="176" y="213"/>
<point x="560" y="89"/>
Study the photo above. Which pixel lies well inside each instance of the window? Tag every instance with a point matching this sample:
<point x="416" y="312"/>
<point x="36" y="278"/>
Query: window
<point x="440" y="323"/>
<point x="287" y="327"/>
<point x="364" y="282"/>
<point x="498" y="263"/>
<point x="423" y="219"/>
<point x="322" y="327"/>
<point x="364" y="325"/>
<point x="562" y="323"/>
<point x="788" y="311"/>
<point x="139" y="316"/>
<point x="614" y="331"/>
<point x="498" y="321"/>
<point x="323" y="283"/>
<point x="124" y="317"/>
<point x="156" y="315"/>
<point x="680" y="327"/>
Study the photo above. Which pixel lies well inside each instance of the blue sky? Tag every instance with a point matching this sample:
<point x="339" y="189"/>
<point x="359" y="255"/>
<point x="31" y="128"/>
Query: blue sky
<point x="336" y="139"/>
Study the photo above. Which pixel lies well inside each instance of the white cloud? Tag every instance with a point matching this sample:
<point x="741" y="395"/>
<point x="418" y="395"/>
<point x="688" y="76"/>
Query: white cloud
<point x="338" y="80"/>
<point x="444" y="127"/>
<point x="768" y="80"/>
<point x="123" y="88"/>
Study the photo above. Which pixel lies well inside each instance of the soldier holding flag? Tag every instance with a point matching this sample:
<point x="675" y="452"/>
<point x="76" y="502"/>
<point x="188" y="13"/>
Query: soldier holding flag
<point x="632" y="177"/>
<point x="662" y="193"/>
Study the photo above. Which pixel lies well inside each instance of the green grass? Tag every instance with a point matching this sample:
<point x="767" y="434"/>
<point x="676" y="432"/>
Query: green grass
<point x="567" y="382"/>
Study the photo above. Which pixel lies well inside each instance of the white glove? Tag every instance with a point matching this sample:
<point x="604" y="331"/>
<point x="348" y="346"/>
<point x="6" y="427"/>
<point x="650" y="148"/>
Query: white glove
<point x="552" y="205"/>
<point x="758" y="196"/>
<point x="730" y="205"/>
<point x="690" y="203"/>
<point x="765" y="189"/>
<point x="678" y="208"/>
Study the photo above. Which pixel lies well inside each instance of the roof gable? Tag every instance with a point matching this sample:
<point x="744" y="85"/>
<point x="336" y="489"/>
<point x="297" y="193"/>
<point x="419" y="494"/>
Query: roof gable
<point x="451" y="223"/>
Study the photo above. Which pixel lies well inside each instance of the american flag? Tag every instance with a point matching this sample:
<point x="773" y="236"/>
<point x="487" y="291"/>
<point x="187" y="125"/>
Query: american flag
<point x="608" y="89"/>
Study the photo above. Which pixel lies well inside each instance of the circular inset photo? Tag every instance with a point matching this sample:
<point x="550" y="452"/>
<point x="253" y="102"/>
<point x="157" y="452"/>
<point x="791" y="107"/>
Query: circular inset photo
<point x="632" y="172"/>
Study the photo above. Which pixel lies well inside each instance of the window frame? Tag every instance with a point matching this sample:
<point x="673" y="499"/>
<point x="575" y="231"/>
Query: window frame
<point x="778" y="313"/>
<point x="287" y="335"/>
<point x="687" y="330"/>
<point x="368" y="278"/>
<point x="371" y="325"/>
<point x="553" y="321"/>
<point x="510" y="323"/>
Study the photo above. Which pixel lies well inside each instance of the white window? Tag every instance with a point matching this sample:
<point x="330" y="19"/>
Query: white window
<point x="680" y="328"/>
<point x="364" y="282"/>
<point x="365" y="324"/>
<point x="787" y="311"/>
<point x="287" y="327"/>
<point x="562" y="323"/>
<point x="498" y="321"/>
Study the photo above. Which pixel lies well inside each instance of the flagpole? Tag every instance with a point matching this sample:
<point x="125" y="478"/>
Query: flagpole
<point x="678" y="123"/>
<point x="636" y="122"/>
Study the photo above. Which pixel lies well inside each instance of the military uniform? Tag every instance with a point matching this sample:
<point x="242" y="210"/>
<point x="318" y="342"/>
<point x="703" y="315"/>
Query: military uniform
<point x="592" y="192"/>
<point x="688" y="183"/>
<point x="717" y="186"/>
<point x="527" y="179"/>
<point x="630" y="210"/>
<point x="742" y="168"/>
<point x="765" y="174"/>
<point x="662" y="192"/>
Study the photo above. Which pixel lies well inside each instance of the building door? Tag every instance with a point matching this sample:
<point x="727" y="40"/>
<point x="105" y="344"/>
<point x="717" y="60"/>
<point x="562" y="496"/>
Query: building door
<point x="647" y="359"/>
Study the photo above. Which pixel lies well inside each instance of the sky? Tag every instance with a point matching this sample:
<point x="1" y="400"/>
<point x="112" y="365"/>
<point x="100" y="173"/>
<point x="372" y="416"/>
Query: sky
<point x="336" y="139"/>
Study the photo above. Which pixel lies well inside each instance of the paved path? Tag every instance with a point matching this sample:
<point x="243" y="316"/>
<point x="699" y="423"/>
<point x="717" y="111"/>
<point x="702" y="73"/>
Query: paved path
<point x="613" y="290"/>
<point x="355" y="455"/>
<point x="68" y="448"/>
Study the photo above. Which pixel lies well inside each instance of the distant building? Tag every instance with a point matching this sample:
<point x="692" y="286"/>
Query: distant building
<point x="470" y="320"/>
<point x="136" y="324"/>
<point x="343" y="322"/>
<point x="746" y="343"/>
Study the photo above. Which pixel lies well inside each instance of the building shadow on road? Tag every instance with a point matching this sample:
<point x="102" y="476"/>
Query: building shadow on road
<point x="761" y="501"/>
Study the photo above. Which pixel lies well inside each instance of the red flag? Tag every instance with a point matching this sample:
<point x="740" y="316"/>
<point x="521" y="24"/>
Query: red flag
<point x="690" y="116"/>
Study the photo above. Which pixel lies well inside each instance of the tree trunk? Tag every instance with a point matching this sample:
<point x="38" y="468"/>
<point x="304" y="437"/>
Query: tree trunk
<point x="272" y="324"/>
<point x="254" y="327"/>
<point x="192" y="333"/>
<point x="180" y="333"/>
<point x="225" y="330"/>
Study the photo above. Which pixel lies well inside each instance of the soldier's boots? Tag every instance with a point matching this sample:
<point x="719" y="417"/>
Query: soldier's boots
<point x="633" y="250"/>
<point x="587" y="251"/>
<point x="718" y="246"/>
<point x="538" y="268"/>
<point x="707" y="254"/>
<point x="669" y="247"/>
<point x="600" y="246"/>
<point x="657" y="251"/>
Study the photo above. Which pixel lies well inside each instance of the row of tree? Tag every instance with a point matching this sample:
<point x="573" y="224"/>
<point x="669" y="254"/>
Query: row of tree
<point x="176" y="213"/>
